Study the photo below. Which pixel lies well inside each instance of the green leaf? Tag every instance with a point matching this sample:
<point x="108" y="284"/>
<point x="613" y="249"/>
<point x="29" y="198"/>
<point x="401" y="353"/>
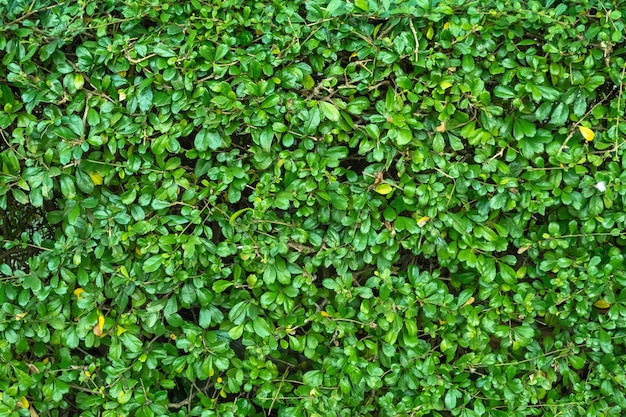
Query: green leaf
<point x="145" y="98"/>
<point x="560" y="115"/>
<point x="265" y="138"/>
<point x="152" y="263"/>
<point x="405" y="136"/>
<point x="164" y="51"/>
<point x="131" y="342"/>
<point x="312" y="121"/>
<point x="221" y="285"/>
<point x="313" y="378"/>
<point x="362" y="4"/>
<point x="261" y="327"/>
<point x="236" y="332"/>
<point x="329" y="110"/>
<point x="523" y="128"/>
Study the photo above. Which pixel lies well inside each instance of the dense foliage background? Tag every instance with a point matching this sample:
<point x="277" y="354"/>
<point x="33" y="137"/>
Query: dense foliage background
<point x="367" y="208"/>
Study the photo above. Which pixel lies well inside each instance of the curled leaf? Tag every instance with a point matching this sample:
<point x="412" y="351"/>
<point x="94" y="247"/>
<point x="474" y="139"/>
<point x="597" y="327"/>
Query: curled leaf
<point x="587" y="133"/>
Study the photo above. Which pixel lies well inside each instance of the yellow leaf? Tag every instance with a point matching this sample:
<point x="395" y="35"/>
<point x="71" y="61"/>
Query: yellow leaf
<point x="120" y="330"/>
<point x="78" y="292"/>
<point x="383" y="188"/>
<point x="601" y="303"/>
<point x="23" y="402"/>
<point x="422" y="221"/>
<point x="96" y="178"/>
<point x="446" y="25"/>
<point x="441" y="128"/>
<point x="324" y="314"/>
<point x="20" y="316"/>
<point x="98" y="328"/>
<point x="587" y="133"/>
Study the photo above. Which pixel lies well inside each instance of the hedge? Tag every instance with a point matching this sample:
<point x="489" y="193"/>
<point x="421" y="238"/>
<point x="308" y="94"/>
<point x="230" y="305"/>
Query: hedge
<point x="312" y="208"/>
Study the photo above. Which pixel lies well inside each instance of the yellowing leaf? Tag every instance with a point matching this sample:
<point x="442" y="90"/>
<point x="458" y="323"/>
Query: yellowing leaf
<point x="469" y="302"/>
<point x="20" y="316"/>
<point x="441" y="128"/>
<point x="23" y="402"/>
<point x="445" y="84"/>
<point x="430" y="33"/>
<point x="422" y="221"/>
<point x="79" y="82"/>
<point x="601" y="303"/>
<point x="78" y="292"/>
<point x="324" y="314"/>
<point x="98" y="328"/>
<point x="446" y="25"/>
<point x="120" y="330"/>
<point x="308" y="82"/>
<point x="383" y="188"/>
<point x="587" y="133"/>
<point x="96" y="178"/>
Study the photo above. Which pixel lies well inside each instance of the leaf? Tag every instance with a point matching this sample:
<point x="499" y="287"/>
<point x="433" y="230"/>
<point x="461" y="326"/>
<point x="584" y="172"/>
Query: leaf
<point x="266" y="137"/>
<point x="164" y="51"/>
<point x="132" y="342"/>
<point x="329" y="110"/>
<point x="261" y="328"/>
<point x="312" y="121"/>
<point x="238" y="213"/>
<point x="145" y="99"/>
<point x="383" y="188"/>
<point x="79" y="82"/>
<point x="405" y="136"/>
<point x="96" y="178"/>
<point x="362" y="4"/>
<point x="308" y="82"/>
<point x="422" y="221"/>
<point x="587" y="133"/>
<point x="602" y="303"/>
<point x="152" y="263"/>
<point x="99" y="327"/>
<point x="23" y="402"/>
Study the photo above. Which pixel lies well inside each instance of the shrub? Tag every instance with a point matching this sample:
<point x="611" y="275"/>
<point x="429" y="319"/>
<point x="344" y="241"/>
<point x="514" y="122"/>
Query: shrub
<point x="323" y="208"/>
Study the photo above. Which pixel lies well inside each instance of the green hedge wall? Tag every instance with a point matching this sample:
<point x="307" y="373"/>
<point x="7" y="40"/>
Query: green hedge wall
<point x="312" y="208"/>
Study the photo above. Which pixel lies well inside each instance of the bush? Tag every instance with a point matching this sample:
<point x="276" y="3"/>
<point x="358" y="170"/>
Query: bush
<point x="368" y="208"/>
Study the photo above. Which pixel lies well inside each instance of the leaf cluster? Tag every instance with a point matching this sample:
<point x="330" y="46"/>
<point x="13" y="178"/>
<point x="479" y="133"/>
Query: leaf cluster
<point x="323" y="208"/>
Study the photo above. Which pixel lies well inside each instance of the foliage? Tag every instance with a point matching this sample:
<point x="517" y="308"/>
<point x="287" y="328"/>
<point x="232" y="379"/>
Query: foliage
<point x="323" y="208"/>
